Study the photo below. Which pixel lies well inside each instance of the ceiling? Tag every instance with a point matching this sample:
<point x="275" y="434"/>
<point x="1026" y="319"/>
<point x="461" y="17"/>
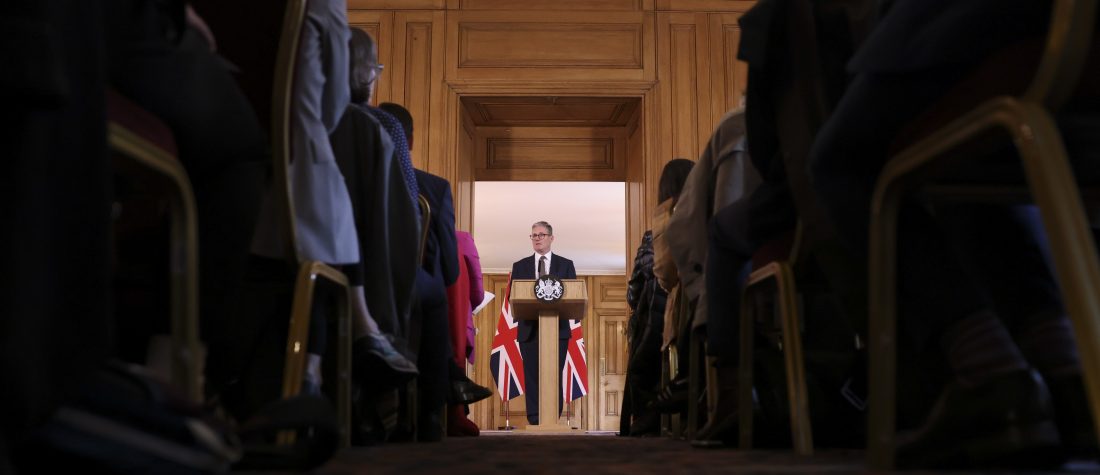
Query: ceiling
<point x="551" y="111"/>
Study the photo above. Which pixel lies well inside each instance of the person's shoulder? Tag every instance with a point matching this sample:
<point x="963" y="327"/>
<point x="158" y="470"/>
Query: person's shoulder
<point x="430" y="179"/>
<point x="563" y="258"/>
<point x="520" y="262"/>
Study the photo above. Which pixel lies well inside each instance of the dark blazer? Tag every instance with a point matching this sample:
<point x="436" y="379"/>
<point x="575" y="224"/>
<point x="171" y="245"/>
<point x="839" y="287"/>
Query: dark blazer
<point x="561" y="268"/>
<point x="441" y="253"/>
<point x="916" y="35"/>
<point x="387" y="229"/>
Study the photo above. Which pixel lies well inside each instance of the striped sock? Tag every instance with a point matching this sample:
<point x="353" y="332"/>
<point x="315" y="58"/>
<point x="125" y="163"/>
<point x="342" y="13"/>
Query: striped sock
<point x="979" y="348"/>
<point x="1050" y="346"/>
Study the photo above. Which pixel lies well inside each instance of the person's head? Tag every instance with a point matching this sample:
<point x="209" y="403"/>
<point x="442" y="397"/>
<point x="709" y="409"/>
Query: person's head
<point x="542" y="236"/>
<point x="364" y="68"/>
<point x="672" y="178"/>
<point x="403" y="116"/>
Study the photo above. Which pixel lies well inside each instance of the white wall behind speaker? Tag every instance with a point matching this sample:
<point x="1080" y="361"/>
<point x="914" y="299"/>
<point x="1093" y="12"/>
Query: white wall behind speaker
<point x="589" y="220"/>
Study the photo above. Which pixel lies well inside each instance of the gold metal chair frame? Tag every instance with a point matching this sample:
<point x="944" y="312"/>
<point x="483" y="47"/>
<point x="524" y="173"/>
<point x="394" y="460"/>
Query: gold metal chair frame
<point x="781" y="273"/>
<point x="186" y="351"/>
<point x="1030" y="124"/>
<point x="309" y="271"/>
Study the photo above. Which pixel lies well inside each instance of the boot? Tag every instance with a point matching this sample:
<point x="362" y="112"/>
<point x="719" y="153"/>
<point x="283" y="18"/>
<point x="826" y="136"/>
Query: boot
<point x="721" y="426"/>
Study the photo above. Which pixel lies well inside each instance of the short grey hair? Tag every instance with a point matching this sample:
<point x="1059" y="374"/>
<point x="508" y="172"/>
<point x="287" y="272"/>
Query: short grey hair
<point x="549" y="228"/>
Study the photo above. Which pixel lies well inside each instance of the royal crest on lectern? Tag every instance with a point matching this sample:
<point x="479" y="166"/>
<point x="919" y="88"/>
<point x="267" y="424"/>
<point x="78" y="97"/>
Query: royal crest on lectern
<point x="549" y="288"/>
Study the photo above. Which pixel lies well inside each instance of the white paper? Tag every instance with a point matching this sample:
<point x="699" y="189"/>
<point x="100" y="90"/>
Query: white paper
<point x="484" y="301"/>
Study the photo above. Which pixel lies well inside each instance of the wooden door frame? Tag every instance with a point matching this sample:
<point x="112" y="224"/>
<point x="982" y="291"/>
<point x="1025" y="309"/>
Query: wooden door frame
<point x="641" y="170"/>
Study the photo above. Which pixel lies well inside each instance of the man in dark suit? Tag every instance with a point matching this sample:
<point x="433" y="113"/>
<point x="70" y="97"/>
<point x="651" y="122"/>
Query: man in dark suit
<point x="438" y="270"/>
<point x="542" y="236"/>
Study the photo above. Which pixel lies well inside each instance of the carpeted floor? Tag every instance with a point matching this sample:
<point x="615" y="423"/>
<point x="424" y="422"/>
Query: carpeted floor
<point x="577" y="454"/>
<point x="581" y="454"/>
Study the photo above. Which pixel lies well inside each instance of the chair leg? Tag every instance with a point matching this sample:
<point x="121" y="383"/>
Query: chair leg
<point x="711" y="373"/>
<point x="695" y="379"/>
<point x="298" y="335"/>
<point x="187" y="353"/>
<point x="801" y="429"/>
<point x="745" y="376"/>
<point x="1071" y="241"/>
<point x="882" y="305"/>
<point x="298" y="343"/>
<point x="343" y="365"/>
<point x="666" y="368"/>
<point x="675" y="419"/>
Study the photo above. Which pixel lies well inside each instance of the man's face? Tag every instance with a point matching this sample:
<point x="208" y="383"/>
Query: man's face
<point x="541" y="239"/>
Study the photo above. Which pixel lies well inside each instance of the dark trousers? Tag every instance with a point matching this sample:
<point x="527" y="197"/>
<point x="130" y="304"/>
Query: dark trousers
<point x="434" y="349"/>
<point x="729" y="253"/>
<point x="643" y="373"/>
<point x="530" y="351"/>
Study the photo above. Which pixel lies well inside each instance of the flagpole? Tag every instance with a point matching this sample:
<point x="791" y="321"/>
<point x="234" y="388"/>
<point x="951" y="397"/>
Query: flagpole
<point x="507" y="421"/>
<point x="571" y="419"/>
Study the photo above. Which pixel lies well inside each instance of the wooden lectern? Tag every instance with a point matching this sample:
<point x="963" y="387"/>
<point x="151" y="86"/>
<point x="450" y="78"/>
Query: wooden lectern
<point x="525" y="306"/>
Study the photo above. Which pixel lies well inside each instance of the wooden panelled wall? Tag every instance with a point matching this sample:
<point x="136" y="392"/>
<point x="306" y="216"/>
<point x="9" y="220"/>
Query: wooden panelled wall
<point x="676" y="59"/>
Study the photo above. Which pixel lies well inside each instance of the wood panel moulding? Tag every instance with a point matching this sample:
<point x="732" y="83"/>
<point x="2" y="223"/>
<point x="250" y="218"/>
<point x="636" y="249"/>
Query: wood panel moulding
<point x="417" y="77"/>
<point x="611" y="353"/>
<point x="728" y="74"/>
<point x="612" y="293"/>
<point x="530" y="153"/>
<point x="685" y="82"/>
<point x="551" y="154"/>
<point x="549" y="45"/>
<point x="550" y="111"/>
<point x="568" y="5"/>
<point x="397" y="4"/>
<point x="558" y="45"/>
<point x="705" y="5"/>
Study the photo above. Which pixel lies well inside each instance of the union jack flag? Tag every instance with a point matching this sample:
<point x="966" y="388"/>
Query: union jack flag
<point x="506" y="361"/>
<point x="574" y="374"/>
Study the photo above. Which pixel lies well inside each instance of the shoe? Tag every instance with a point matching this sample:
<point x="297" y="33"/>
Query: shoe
<point x="429" y="427"/>
<point x="310" y="388"/>
<point x="1004" y="422"/>
<point x="458" y="425"/>
<point x="646" y="424"/>
<point x="721" y="427"/>
<point x="672" y="398"/>
<point x="718" y="432"/>
<point x="464" y="391"/>
<point x="1072" y="414"/>
<point x="533" y="420"/>
<point x="375" y="359"/>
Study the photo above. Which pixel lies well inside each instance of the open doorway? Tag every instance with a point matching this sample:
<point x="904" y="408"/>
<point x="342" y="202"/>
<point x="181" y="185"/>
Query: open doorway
<point x="568" y="161"/>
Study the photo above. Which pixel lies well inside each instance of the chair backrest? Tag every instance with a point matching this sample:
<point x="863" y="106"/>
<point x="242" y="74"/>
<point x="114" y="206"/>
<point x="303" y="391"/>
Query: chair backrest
<point x="820" y="36"/>
<point x="425" y="223"/>
<point x="281" y="105"/>
<point x="1067" y="47"/>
